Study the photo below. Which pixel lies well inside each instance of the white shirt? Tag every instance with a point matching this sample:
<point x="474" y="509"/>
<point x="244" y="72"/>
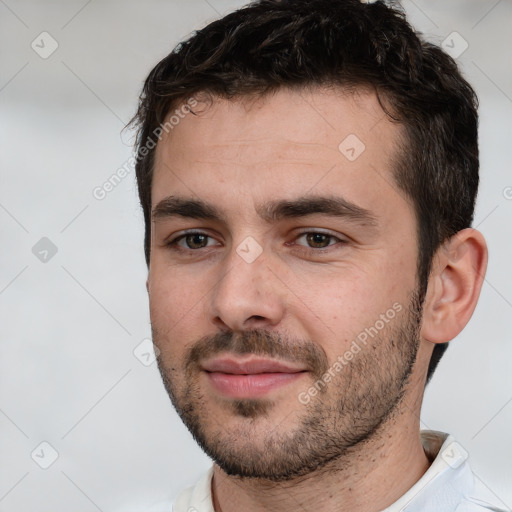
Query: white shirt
<point x="448" y="485"/>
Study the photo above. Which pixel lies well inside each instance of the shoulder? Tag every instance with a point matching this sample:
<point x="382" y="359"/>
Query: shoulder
<point x="480" y="499"/>
<point x="475" y="505"/>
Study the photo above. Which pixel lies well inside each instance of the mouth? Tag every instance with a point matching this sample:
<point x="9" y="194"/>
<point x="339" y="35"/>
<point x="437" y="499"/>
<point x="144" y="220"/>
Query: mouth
<point x="250" y="378"/>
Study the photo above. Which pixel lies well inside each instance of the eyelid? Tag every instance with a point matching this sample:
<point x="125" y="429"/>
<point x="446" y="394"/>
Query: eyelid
<point x="173" y="240"/>
<point x="185" y="232"/>
<point x="320" y="231"/>
<point x="306" y="231"/>
<point x="176" y="238"/>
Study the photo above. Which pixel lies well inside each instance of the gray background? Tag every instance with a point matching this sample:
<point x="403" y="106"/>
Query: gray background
<point x="70" y="322"/>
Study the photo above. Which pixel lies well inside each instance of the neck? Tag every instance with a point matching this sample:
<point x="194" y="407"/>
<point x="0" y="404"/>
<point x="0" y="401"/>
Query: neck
<point x="372" y="476"/>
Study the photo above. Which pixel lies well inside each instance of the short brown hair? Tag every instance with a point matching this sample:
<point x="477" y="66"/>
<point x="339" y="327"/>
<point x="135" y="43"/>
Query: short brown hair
<point x="272" y="44"/>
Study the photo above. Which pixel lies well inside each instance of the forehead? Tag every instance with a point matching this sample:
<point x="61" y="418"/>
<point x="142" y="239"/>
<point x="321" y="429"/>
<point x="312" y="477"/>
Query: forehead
<point x="315" y="116"/>
<point x="283" y="144"/>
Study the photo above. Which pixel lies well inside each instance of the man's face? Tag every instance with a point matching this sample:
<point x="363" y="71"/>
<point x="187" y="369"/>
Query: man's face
<point x="282" y="278"/>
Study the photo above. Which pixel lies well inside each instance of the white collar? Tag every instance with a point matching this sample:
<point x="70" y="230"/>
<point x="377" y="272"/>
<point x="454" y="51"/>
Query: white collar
<point x="446" y="483"/>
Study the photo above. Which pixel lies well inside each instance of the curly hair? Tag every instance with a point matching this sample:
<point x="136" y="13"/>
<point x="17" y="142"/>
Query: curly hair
<point x="273" y="44"/>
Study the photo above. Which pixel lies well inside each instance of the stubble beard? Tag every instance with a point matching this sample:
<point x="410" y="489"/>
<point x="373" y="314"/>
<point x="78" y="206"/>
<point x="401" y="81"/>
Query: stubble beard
<point x="348" y="411"/>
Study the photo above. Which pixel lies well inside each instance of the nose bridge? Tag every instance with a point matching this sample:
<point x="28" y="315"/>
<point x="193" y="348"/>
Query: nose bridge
<point x="248" y="295"/>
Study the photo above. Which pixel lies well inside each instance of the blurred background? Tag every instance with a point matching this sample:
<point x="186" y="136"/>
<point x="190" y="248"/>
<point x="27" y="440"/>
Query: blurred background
<point x="85" y="423"/>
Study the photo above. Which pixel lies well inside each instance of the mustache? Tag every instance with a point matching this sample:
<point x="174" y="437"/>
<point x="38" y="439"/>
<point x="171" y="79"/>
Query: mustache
<point x="261" y="343"/>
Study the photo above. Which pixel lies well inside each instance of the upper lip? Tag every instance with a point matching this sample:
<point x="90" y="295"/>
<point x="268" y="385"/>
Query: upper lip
<point x="248" y="366"/>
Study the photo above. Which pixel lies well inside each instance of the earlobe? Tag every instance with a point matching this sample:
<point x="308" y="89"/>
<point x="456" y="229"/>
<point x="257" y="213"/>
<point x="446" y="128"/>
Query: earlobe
<point x="454" y="286"/>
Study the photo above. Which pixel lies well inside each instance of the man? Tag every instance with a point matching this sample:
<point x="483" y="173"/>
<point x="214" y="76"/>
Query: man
<point x="308" y="173"/>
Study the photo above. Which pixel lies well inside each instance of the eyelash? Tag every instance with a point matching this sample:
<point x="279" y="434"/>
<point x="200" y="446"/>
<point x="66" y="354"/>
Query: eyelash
<point x="173" y="243"/>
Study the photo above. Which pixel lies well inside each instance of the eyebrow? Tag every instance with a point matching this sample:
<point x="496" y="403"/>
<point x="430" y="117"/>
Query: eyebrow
<point x="270" y="212"/>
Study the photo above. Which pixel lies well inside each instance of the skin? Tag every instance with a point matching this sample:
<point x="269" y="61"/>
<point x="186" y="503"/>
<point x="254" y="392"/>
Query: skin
<point x="237" y="155"/>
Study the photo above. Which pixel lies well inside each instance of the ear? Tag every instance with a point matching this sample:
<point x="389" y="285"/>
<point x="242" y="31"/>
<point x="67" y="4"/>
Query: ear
<point x="455" y="281"/>
<point x="147" y="284"/>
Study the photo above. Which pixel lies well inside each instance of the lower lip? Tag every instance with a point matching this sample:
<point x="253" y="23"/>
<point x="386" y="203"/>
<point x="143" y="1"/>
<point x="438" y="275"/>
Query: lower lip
<point x="250" y="386"/>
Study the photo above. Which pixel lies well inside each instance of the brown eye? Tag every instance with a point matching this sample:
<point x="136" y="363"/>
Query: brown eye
<point x="318" y="240"/>
<point x="192" y="241"/>
<point x="196" y="241"/>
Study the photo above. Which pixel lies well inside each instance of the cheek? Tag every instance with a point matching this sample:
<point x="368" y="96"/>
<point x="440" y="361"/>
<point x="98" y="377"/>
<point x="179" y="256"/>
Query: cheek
<point x="165" y="308"/>
<point x="335" y="310"/>
<point x="327" y="307"/>
<point x="175" y="304"/>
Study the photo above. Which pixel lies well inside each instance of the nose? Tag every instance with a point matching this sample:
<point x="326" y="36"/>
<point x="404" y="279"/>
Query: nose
<point x="248" y="295"/>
